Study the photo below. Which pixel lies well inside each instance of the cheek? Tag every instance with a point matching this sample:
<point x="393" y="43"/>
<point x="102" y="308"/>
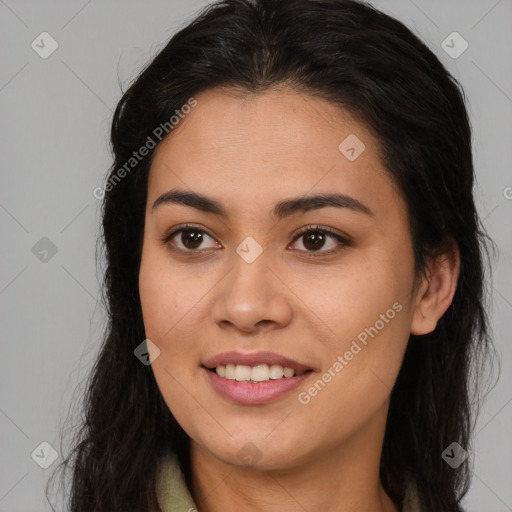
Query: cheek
<point x="156" y="301"/>
<point x="353" y="296"/>
<point x="361" y="367"/>
<point x="167" y="309"/>
<point x="166" y="300"/>
<point x="367" y="311"/>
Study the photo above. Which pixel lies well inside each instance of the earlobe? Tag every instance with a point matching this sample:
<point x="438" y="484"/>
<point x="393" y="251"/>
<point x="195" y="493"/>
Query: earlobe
<point x="437" y="290"/>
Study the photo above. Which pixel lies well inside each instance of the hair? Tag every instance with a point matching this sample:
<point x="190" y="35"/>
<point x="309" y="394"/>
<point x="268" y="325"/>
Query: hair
<point x="374" y="67"/>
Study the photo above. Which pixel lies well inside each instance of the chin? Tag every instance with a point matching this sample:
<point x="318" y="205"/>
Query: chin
<point x="255" y="454"/>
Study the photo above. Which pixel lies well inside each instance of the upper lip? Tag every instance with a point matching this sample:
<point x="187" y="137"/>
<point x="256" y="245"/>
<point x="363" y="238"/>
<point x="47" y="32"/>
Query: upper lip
<point x="254" y="359"/>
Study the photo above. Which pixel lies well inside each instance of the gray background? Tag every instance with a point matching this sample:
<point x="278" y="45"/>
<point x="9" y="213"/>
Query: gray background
<point x="55" y="116"/>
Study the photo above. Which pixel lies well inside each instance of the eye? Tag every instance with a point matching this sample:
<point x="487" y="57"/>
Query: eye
<point x="313" y="239"/>
<point x="191" y="239"/>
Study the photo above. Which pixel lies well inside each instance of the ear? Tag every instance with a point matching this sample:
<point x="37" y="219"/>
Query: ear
<point x="436" y="290"/>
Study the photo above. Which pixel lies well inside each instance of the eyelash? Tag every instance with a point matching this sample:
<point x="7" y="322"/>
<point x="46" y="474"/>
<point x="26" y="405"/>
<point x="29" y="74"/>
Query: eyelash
<point x="307" y="229"/>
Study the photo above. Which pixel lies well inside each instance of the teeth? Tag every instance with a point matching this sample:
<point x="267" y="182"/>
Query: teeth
<point x="260" y="373"/>
<point x="242" y="372"/>
<point x="276" y="372"/>
<point x="288" y="372"/>
<point x="230" y="371"/>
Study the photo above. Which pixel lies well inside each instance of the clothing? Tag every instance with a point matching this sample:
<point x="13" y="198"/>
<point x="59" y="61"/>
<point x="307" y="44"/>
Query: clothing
<point x="174" y="496"/>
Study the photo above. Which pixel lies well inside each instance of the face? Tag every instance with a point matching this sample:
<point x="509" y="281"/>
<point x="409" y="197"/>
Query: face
<point x="320" y="286"/>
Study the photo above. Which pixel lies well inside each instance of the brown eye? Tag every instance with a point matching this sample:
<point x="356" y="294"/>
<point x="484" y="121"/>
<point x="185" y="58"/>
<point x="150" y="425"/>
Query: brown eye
<point x="315" y="239"/>
<point x="189" y="239"/>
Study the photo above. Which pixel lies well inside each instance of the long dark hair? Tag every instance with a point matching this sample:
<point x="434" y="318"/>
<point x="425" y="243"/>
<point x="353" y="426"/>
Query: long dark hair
<point x="367" y="62"/>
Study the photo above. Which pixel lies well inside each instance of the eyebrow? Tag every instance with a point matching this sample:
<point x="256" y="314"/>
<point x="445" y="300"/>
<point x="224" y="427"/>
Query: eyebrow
<point x="281" y="210"/>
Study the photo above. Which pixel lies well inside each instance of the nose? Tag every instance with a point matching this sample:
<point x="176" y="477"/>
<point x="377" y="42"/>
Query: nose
<point x="252" y="298"/>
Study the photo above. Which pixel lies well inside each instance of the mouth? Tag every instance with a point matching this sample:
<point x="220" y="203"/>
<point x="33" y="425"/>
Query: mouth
<point x="253" y="379"/>
<point x="254" y="374"/>
<point x="241" y="361"/>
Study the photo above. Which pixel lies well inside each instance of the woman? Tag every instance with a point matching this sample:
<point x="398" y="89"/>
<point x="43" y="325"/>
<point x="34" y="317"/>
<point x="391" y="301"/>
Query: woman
<point x="294" y="272"/>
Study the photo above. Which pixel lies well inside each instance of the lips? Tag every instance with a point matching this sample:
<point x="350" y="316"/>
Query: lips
<point x="254" y="393"/>
<point x="255" y="359"/>
<point x="249" y="392"/>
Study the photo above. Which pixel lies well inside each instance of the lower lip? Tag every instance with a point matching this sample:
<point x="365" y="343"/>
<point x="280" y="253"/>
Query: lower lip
<point x="254" y="393"/>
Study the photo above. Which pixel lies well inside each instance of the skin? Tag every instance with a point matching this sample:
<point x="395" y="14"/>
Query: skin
<point x="250" y="152"/>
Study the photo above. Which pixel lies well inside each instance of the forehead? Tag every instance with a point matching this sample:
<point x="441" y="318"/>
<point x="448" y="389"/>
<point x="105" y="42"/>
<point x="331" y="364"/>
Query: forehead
<point x="268" y="124"/>
<point x="258" y="148"/>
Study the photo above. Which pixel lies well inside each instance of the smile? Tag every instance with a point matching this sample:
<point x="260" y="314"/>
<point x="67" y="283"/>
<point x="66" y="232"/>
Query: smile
<point x="253" y="392"/>
<point x="259" y="373"/>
